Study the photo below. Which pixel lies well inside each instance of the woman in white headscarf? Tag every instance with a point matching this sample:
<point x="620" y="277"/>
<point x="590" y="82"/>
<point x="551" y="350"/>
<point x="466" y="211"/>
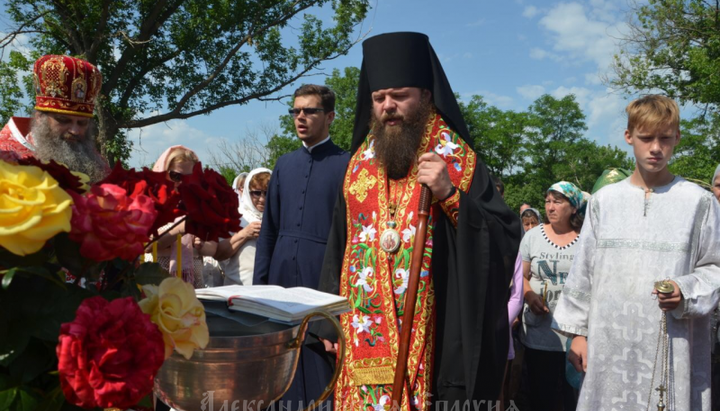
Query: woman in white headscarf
<point x="237" y="254"/>
<point x="238" y="185"/>
<point x="715" y="183"/>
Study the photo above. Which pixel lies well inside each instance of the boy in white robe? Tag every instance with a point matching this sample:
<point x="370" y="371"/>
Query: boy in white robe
<point x="649" y="227"/>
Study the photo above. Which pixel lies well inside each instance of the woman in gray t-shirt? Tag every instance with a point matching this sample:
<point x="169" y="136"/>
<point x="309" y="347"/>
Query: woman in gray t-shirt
<point x="547" y="253"/>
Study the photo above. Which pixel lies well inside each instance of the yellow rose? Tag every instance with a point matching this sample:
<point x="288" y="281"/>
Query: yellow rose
<point x="179" y="315"/>
<point x="33" y="208"/>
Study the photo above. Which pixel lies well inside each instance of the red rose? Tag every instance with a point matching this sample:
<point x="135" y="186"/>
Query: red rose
<point x="108" y="224"/>
<point x="152" y="184"/>
<point x="109" y="355"/>
<point x="210" y="203"/>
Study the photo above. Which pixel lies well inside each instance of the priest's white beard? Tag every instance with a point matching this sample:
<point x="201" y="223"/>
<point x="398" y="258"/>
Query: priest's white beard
<point x="76" y="155"/>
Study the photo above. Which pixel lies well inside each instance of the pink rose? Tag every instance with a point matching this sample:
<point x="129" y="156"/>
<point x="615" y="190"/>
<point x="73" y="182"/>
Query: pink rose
<point x="109" y="355"/>
<point x="108" y="224"/>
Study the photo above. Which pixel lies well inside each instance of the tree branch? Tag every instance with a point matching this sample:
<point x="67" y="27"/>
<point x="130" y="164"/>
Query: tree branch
<point x="10" y="37"/>
<point x="220" y="67"/>
<point x="91" y="53"/>
<point x="130" y="89"/>
<point x="148" y="28"/>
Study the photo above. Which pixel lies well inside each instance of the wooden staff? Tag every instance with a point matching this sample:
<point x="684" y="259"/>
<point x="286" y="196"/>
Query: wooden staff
<point x="411" y="296"/>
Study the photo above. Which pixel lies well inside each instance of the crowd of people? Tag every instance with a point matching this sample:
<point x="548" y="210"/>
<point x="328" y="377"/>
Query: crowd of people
<point x="568" y="293"/>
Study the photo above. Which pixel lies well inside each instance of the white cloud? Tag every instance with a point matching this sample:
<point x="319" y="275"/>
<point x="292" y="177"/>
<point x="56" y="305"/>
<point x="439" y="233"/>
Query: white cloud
<point x="531" y="92"/>
<point x="540" y="54"/>
<point x="467" y="55"/>
<point x="582" y="94"/>
<point x="497" y="99"/>
<point x="584" y="35"/>
<point x="149" y="142"/>
<point x="593" y="79"/>
<point x="530" y="12"/>
<point x="604" y="110"/>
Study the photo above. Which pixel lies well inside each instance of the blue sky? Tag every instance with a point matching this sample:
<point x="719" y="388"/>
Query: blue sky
<point x="508" y="51"/>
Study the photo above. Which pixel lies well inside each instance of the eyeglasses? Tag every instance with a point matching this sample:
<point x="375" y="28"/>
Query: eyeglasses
<point x="175" y="176"/>
<point x="258" y="193"/>
<point x="309" y="111"/>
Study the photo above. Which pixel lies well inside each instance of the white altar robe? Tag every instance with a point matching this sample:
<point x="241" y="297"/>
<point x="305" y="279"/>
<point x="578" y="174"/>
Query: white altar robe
<point x="628" y="243"/>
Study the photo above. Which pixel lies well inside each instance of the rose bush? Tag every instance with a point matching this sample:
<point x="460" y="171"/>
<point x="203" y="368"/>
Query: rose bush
<point x="64" y="253"/>
<point x="109" y="354"/>
<point x="33" y="208"/>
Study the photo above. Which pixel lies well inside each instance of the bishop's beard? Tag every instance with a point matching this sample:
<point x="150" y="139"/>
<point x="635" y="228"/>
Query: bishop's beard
<point x="76" y="155"/>
<point x="396" y="146"/>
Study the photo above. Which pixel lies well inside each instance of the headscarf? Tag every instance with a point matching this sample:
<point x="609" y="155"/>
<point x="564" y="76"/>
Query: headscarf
<point x="234" y="185"/>
<point x="161" y="165"/>
<point x="404" y="59"/>
<point x="715" y="176"/>
<point x="162" y="162"/>
<point x="572" y="193"/>
<point x="534" y="211"/>
<point x="249" y="213"/>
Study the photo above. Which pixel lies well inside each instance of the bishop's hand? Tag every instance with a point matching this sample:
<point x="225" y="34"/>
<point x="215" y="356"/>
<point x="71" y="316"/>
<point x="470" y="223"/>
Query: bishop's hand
<point x="432" y="171"/>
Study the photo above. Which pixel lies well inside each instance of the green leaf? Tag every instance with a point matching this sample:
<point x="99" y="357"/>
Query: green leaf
<point x="7" y="278"/>
<point x="53" y="401"/>
<point x="7" y="397"/>
<point x="68" y="254"/>
<point x="26" y="400"/>
<point x="36" y="359"/>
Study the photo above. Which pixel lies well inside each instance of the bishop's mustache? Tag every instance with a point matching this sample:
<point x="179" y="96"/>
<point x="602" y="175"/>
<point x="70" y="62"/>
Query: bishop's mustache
<point x="391" y="116"/>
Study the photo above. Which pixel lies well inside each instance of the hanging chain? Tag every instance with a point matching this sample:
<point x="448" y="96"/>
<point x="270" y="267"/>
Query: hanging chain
<point x="663" y="345"/>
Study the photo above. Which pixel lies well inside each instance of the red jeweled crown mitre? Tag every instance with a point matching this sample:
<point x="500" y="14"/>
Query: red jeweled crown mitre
<point x="66" y="85"/>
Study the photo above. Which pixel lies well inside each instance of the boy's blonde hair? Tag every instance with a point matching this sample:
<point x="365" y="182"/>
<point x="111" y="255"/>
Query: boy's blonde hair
<point x="652" y="111"/>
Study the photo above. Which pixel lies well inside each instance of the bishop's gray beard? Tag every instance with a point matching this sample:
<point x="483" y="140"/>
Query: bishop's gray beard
<point x="396" y="146"/>
<point x="76" y="155"/>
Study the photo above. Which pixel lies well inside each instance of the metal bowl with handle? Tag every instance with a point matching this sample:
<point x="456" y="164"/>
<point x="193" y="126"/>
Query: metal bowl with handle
<point x="244" y="366"/>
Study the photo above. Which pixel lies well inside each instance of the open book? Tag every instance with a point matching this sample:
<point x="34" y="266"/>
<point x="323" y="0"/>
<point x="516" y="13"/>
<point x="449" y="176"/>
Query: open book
<point x="288" y="305"/>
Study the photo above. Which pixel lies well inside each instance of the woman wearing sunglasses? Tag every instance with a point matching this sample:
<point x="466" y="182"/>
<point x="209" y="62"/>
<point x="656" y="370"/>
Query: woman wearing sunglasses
<point x="237" y="254"/>
<point x="177" y="161"/>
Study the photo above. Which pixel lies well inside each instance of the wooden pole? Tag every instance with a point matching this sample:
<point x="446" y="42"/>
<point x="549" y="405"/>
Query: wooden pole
<point x="411" y="297"/>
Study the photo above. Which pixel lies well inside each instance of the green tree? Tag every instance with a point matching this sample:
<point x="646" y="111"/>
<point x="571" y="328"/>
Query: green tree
<point x="698" y="153"/>
<point x="673" y="46"/>
<point x="345" y="86"/>
<point x="557" y="151"/>
<point x="497" y="136"/>
<point x="175" y="59"/>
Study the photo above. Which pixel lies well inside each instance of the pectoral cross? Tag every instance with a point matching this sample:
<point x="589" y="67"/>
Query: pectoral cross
<point x="661" y="404"/>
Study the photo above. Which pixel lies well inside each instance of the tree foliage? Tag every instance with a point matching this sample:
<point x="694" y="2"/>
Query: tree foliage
<point x="698" y="153"/>
<point x="673" y="46"/>
<point x="345" y="86"/>
<point x="175" y="59"/>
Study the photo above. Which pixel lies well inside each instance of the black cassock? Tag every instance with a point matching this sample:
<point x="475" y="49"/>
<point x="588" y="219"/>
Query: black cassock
<point x="290" y="249"/>
<point x="472" y="267"/>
